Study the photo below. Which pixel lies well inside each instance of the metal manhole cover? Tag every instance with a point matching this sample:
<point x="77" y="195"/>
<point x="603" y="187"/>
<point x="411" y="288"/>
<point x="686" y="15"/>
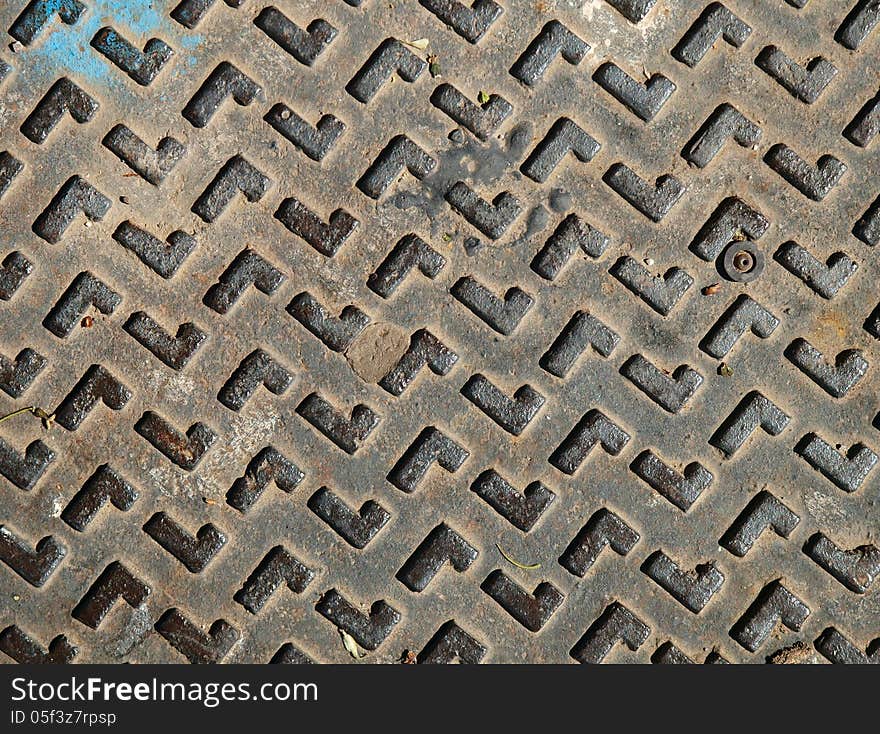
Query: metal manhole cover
<point x="495" y="332"/>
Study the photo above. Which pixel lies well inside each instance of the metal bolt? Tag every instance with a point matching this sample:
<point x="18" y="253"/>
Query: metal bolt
<point x="743" y="261"/>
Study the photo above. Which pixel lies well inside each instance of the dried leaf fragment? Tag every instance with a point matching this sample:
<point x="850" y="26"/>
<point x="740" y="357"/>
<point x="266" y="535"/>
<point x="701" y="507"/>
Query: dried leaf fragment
<point x="711" y="290"/>
<point x="351" y="645"/>
<point x="408" y="658"/>
<point x="434" y="66"/>
<point x="47" y="419"/>
<point x="421" y="44"/>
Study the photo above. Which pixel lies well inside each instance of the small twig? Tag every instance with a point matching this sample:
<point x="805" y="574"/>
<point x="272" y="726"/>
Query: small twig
<point x="46" y="419"/>
<point x="524" y="566"/>
<point x="14" y="413"/>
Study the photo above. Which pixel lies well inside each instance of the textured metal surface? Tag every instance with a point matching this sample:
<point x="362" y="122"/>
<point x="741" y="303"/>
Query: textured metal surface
<point x="322" y="315"/>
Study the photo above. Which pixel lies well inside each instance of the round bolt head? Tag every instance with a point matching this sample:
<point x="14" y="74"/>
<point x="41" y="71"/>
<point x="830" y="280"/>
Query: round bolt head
<point x="742" y="262"/>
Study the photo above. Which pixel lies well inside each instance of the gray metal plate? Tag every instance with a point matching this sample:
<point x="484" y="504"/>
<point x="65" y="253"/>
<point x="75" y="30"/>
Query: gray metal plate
<point x="330" y="302"/>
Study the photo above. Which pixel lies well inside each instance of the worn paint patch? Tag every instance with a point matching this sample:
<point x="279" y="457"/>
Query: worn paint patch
<point x="137" y="627"/>
<point x="376" y="351"/>
<point x="68" y="48"/>
<point x="245" y="435"/>
<point x="824" y="508"/>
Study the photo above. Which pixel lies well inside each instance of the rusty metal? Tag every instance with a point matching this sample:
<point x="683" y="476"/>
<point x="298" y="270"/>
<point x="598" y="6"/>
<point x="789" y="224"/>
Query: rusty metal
<point x="493" y="331"/>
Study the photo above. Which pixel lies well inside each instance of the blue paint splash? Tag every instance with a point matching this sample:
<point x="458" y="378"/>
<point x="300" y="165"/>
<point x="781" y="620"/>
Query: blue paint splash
<point x="64" y="50"/>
